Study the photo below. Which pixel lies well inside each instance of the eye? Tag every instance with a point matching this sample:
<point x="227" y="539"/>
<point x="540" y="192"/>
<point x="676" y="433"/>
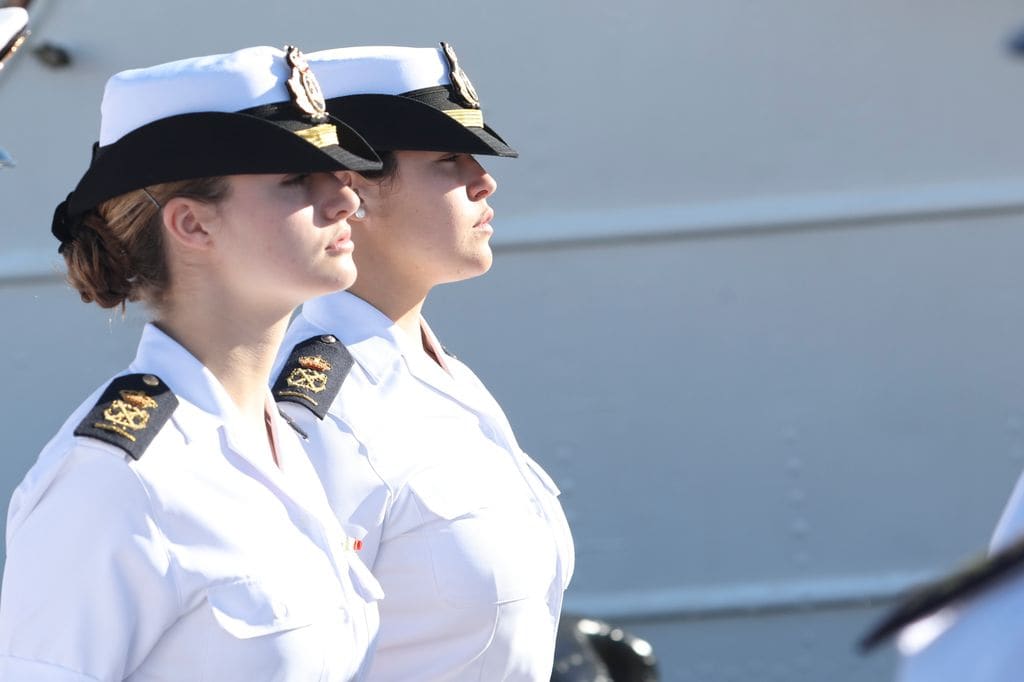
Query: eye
<point x="295" y="179"/>
<point x="449" y="158"/>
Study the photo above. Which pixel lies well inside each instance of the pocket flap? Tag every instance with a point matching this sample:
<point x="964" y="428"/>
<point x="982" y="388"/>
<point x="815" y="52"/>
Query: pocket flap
<point x="450" y="493"/>
<point x="247" y="609"/>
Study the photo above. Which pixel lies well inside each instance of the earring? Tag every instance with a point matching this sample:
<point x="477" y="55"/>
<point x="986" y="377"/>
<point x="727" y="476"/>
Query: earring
<point x="360" y="212"/>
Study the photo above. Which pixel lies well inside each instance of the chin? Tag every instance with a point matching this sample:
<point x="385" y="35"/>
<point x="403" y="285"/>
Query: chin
<point x="339" y="281"/>
<point x="483" y="259"/>
<point x="476" y="268"/>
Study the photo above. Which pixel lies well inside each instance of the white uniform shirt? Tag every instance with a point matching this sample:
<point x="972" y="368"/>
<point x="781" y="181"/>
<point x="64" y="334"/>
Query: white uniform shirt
<point x="464" y="531"/>
<point x="198" y="562"/>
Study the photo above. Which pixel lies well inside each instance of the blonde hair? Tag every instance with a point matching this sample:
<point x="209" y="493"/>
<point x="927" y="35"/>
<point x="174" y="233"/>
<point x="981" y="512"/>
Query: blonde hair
<point x="117" y="254"/>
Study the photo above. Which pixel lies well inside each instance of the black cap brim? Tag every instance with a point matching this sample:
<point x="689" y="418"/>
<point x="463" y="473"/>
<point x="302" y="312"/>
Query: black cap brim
<point x="210" y="144"/>
<point x="397" y="122"/>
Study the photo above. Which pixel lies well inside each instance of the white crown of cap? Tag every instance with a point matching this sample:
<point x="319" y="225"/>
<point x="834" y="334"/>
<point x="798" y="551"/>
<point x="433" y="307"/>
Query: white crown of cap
<point x="12" y="22"/>
<point x="224" y="82"/>
<point x="378" y="70"/>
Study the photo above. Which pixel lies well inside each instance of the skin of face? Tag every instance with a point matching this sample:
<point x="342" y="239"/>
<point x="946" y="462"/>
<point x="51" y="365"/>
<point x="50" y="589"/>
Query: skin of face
<point x="429" y="223"/>
<point x="284" y="238"/>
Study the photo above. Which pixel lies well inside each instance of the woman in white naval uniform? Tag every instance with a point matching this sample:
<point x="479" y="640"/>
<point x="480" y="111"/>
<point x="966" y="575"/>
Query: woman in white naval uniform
<point x="174" y="529"/>
<point x="462" y="528"/>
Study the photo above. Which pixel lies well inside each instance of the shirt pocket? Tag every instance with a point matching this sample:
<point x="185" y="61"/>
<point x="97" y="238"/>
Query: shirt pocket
<point x="560" y="524"/>
<point x="488" y="545"/>
<point x="247" y="609"/>
<point x="275" y="631"/>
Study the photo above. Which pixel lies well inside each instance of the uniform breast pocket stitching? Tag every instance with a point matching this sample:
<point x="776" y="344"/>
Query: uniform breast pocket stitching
<point x="449" y="501"/>
<point x="247" y="609"/>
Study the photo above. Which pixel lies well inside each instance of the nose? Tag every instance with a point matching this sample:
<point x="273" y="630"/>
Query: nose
<point x="341" y="200"/>
<point x="482" y="184"/>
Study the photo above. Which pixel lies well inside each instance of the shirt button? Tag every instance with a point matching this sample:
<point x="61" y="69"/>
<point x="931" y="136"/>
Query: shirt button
<point x="278" y="608"/>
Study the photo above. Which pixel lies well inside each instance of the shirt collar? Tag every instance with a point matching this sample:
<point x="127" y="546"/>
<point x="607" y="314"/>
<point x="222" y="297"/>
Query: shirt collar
<point x="190" y="380"/>
<point x="375" y="341"/>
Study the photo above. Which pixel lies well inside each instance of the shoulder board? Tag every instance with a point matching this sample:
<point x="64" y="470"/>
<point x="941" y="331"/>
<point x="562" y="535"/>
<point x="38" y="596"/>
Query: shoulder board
<point x="313" y="374"/>
<point x="130" y="413"/>
<point x="923" y="601"/>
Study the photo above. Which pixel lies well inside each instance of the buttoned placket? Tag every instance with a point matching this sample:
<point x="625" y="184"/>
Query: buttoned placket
<point x="374" y="341"/>
<point x="490" y="418"/>
<point x="296" y="480"/>
<point x="296" y="484"/>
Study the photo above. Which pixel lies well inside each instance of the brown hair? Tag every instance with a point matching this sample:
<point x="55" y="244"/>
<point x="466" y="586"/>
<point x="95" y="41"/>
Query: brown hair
<point x="388" y="171"/>
<point x="117" y="252"/>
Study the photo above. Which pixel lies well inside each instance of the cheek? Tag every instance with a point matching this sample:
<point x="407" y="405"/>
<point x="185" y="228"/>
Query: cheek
<point x="448" y="219"/>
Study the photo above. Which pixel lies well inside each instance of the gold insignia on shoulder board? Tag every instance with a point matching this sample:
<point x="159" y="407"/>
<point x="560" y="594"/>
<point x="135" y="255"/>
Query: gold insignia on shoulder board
<point x="311" y="374"/>
<point x="460" y="81"/>
<point x="130" y="413"/>
<point x="303" y="85"/>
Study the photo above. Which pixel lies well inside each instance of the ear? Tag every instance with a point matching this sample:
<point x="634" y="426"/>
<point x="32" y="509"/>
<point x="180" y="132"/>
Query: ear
<point x="188" y="222"/>
<point x="368" y="192"/>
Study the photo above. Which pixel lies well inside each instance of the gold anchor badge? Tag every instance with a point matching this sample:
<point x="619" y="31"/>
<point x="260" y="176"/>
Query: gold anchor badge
<point x="310" y="375"/>
<point x="130" y="413"/>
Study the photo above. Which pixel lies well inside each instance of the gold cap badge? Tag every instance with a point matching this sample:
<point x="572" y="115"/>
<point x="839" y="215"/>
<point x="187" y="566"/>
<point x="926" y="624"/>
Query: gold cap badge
<point x="460" y="81"/>
<point x="303" y="85"/>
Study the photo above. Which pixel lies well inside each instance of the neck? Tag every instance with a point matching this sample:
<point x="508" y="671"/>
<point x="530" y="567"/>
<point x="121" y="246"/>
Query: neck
<point x="238" y="346"/>
<point x="404" y="308"/>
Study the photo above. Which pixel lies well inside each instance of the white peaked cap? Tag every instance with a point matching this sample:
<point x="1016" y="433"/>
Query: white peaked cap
<point x="378" y="69"/>
<point x="411" y="98"/>
<point x="247" y="78"/>
<point x="13" y="21"/>
<point x="257" y="110"/>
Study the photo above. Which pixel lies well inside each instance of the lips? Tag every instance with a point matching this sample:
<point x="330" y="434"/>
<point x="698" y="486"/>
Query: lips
<point x="342" y="242"/>
<point x="485" y="219"/>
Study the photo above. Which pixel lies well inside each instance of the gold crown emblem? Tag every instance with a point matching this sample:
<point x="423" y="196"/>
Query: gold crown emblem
<point x="138" y="399"/>
<point x="315" y="362"/>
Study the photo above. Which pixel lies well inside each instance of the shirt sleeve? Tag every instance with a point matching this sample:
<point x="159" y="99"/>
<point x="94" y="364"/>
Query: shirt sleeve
<point x="88" y="587"/>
